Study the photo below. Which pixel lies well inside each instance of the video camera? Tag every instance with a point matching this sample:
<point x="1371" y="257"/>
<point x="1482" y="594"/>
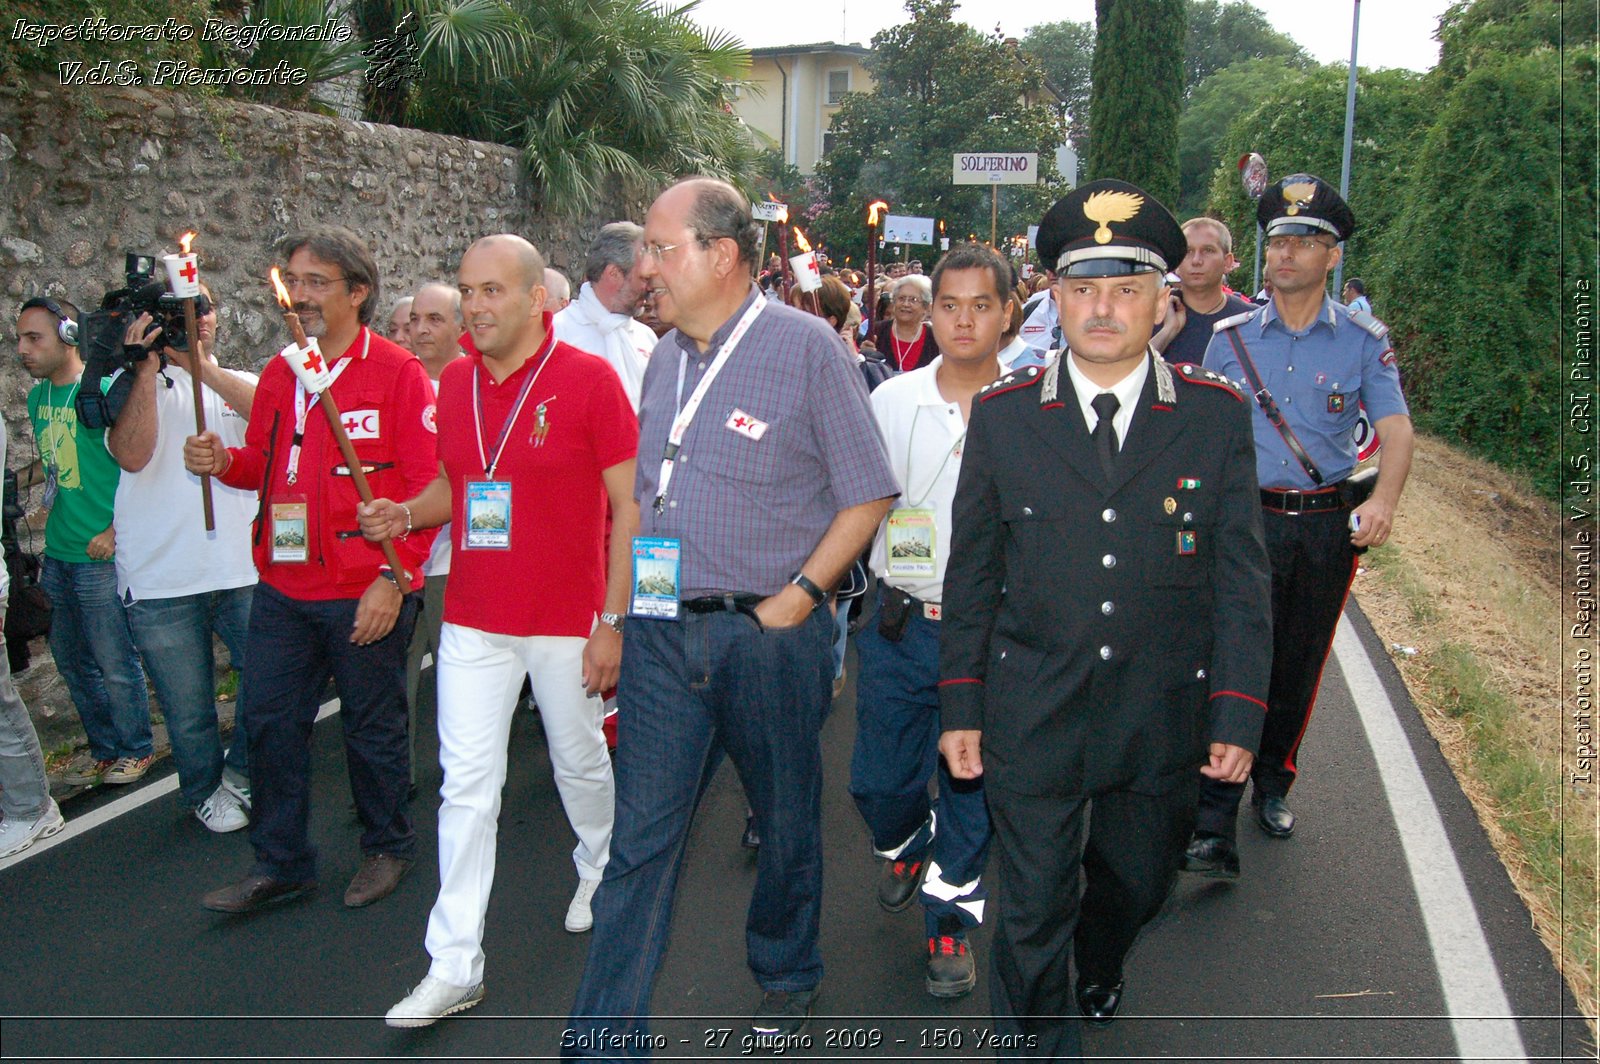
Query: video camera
<point x="101" y="335"/>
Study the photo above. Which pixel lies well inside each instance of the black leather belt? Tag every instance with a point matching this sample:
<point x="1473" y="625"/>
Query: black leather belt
<point x="1294" y="502"/>
<point x="732" y="602"/>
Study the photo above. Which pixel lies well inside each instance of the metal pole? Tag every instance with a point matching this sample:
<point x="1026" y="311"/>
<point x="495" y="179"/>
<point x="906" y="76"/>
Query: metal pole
<point x="994" y="212"/>
<point x="1257" y="286"/>
<point x="1349" y="133"/>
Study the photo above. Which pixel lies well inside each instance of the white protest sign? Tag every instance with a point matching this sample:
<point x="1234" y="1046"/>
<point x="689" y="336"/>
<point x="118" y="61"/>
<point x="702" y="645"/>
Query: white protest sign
<point x="1000" y="168"/>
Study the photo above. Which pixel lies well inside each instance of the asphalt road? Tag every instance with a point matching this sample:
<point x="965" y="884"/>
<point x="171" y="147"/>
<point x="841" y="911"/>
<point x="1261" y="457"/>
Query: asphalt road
<point x="1384" y="930"/>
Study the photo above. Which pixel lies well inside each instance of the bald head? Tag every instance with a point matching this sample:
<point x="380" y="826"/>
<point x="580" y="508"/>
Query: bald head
<point x="501" y="281"/>
<point x="526" y="257"/>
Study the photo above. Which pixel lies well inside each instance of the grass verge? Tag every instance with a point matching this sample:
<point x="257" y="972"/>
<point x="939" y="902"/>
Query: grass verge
<point x="1542" y="828"/>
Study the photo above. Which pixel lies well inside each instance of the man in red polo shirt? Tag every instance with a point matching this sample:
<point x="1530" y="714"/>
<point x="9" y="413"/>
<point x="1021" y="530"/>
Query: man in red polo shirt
<point x="536" y="438"/>
<point x="327" y="603"/>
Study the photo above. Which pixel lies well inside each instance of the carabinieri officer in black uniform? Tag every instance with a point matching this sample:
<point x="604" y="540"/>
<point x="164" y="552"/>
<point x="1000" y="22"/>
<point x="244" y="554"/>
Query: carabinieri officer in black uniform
<point x="1106" y="636"/>
<point x="1309" y="362"/>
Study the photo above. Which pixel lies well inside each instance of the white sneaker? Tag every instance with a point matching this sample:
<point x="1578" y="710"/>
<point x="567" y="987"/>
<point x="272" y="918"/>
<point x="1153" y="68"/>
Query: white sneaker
<point x="221" y="812"/>
<point x="241" y="792"/>
<point x="431" y="1001"/>
<point x="579" y="916"/>
<point x="18" y="835"/>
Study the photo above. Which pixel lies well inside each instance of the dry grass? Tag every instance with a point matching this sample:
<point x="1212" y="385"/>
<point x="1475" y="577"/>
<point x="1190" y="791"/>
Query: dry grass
<point x="1472" y="582"/>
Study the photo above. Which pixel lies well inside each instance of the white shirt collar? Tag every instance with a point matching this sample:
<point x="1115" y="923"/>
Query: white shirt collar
<point x="1126" y="390"/>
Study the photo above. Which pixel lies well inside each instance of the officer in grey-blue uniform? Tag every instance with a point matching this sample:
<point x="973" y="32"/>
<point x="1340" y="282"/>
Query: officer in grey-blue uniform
<point x="1309" y="363"/>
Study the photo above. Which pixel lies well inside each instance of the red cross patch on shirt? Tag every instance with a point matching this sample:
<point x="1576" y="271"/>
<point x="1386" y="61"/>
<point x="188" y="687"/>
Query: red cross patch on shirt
<point x="745" y="425"/>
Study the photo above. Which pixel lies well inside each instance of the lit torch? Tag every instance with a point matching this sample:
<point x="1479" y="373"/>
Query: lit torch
<point x="305" y="359"/>
<point x="873" y="209"/>
<point x="183" y="271"/>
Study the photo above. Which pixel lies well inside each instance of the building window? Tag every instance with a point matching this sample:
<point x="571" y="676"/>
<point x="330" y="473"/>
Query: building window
<point x="838" y="85"/>
<point x="829" y="139"/>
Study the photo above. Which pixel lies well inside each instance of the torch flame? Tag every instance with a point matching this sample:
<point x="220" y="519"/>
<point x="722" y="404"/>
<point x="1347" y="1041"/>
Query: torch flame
<point x="800" y="240"/>
<point x="185" y="240"/>
<point x="283" y="293"/>
<point x="872" y="211"/>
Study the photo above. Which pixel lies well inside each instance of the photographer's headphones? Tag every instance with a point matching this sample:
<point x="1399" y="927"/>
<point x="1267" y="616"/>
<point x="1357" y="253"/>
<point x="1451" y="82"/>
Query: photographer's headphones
<point x="66" y="328"/>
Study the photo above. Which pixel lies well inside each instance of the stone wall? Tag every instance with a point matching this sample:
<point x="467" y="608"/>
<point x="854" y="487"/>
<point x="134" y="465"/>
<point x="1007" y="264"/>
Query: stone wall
<point x="87" y="177"/>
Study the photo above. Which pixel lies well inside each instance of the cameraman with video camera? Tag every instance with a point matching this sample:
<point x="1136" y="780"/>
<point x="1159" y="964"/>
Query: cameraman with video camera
<point x="179" y="582"/>
<point x="89" y="634"/>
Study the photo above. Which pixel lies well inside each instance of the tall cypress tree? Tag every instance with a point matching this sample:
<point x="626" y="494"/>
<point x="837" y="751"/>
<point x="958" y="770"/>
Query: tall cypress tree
<point x="1137" y="94"/>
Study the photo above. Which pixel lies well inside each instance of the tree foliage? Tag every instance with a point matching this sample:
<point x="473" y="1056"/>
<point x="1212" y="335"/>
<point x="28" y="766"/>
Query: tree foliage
<point x="1136" y="95"/>
<point x="1064" y="52"/>
<point x="940" y="87"/>
<point x="1222" y="34"/>
<point x="1299" y="126"/>
<point x="1210" y="110"/>
<point x="1491" y="219"/>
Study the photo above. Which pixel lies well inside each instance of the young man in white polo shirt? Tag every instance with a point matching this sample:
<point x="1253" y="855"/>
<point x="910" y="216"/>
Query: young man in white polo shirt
<point x="923" y="415"/>
<point x="535" y="439"/>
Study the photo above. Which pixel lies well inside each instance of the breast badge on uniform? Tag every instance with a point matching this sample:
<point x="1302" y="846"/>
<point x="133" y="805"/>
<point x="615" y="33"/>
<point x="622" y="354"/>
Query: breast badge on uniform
<point x="1335" y="403"/>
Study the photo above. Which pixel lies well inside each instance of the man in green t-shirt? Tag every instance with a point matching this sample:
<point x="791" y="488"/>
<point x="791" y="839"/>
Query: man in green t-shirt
<point x="89" y="634"/>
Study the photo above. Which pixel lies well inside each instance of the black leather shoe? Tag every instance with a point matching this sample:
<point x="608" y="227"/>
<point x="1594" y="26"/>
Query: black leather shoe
<point x="252" y="892"/>
<point x="1274" y="817"/>
<point x="898" y="887"/>
<point x="751" y="839"/>
<point x="1212" y="855"/>
<point x="1098" y="1002"/>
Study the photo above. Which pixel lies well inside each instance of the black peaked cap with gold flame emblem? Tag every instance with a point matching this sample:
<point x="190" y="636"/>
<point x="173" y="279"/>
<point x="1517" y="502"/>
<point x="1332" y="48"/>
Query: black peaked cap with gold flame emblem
<point x="1110" y="228"/>
<point x="1304" y="205"/>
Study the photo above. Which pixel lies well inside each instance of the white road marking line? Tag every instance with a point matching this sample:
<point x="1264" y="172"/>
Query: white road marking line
<point x="1480" y="1014"/>
<point x="128" y="803"/>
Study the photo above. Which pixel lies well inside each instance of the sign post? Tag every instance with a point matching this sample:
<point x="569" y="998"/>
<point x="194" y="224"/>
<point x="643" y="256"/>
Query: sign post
<point x="995" y="169"/>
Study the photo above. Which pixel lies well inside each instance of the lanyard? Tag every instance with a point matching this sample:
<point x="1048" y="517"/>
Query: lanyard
<point x="489" y="464"/>
<point x="911" y="438"/>
<point x="680" y="426"/>
<point x="302" y="405"/>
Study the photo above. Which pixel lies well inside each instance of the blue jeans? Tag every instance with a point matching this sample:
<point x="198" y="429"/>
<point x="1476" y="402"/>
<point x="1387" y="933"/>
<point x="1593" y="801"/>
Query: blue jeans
<point x="174" y="637"/>
<point x="294" y="645"/>
<point x="897" y="753"/>
<point x="94" y="653"/>
<point x="24" y="787"/>
<point x="695" y="688"/>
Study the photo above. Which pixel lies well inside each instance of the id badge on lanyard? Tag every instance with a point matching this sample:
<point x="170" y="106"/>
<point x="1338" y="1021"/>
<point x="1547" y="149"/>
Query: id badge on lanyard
<point x="488" y="513"/>
<point x="911" y="543"/>
<point x="291" y="543"/>
<point x="656" y="572"/>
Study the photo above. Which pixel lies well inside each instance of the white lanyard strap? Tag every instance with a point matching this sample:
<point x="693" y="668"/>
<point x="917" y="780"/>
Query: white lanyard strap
<point x="302" y="405"/>
<point x="489" y="465"/>
<point x="680" y="426"/>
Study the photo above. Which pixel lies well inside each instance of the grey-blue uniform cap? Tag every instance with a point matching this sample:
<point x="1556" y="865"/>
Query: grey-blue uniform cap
<point x="1110" y="228"/>
<point x="1304" y="205"/>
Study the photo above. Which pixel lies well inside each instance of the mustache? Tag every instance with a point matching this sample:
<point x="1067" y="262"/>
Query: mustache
<point x="1105" y="323"/>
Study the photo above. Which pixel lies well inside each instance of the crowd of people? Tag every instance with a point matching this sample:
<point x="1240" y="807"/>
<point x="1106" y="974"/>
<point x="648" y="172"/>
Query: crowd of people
<point x="1110" y="522"/>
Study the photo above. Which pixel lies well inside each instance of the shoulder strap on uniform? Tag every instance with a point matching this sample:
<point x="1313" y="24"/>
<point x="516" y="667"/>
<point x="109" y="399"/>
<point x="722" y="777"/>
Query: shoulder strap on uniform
<point x="1369" y="323"/>
<point x="1235" y="319"/>
<point x="1021" y="378"/>
<point x="1197" y="375"/>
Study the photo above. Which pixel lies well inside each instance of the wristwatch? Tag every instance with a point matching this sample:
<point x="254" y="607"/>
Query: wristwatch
<point x="804" y="583"/>
<point x="614" y="620"/>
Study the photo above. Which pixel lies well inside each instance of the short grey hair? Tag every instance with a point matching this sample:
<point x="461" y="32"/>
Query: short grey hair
<point x="921" y="283"/>
<point x="722" y="211"/>
<point x="556" y="284"/>
<point x="453" y="292"/>
<point x="617" y="244"/>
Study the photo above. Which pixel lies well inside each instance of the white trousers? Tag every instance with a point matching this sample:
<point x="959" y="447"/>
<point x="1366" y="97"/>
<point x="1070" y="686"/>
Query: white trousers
<point x="480" y="674"/>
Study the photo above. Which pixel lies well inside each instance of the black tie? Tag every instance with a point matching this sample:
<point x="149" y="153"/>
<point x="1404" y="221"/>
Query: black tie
<point x="1105" y="434"/>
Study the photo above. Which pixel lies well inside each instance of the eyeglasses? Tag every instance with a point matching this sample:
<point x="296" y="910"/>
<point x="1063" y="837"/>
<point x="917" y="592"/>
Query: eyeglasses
<point x="658" y="251"/>
<point x="1298" y="243"/>
<point x="910" y="301"/>
<point x="314" y="283"/>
